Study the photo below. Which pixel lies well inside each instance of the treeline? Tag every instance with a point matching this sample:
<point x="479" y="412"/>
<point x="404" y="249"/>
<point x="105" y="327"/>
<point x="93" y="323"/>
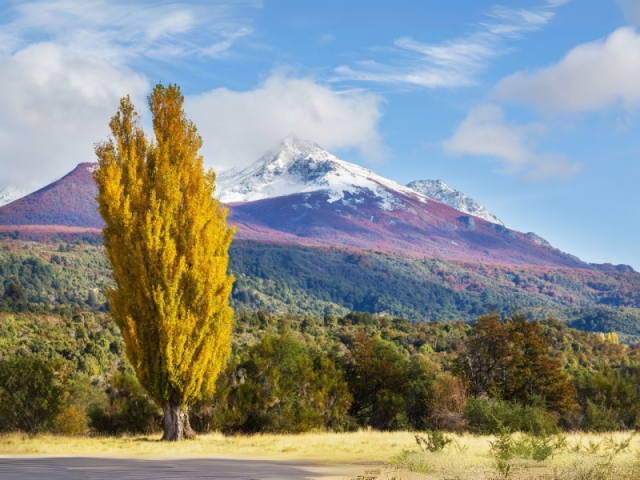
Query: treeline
<point x="339" y="373"/>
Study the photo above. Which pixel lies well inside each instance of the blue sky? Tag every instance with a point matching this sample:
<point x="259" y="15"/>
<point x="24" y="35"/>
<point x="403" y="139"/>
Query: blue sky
<point x="530" y="107"/>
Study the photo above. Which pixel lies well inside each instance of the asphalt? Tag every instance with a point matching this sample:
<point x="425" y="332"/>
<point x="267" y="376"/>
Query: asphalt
<point x="76" y="468"/>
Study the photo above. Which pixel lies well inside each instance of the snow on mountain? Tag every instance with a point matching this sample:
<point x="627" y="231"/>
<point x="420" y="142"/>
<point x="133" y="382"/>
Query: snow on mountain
<point x="8" y="195"/>
<point x="440" y="191"/>
<point x="299" y="166"/>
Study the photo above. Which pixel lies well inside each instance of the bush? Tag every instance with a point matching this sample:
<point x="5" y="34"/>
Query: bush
<point x="493" y="416"/>
<point x="278" y="385"/>
<point x="30" y="399"/>
<point x="128" y="409"/>
<point x="598" y="418"/>
<point x="433" y="441"/>
<point x="71" y="421"/>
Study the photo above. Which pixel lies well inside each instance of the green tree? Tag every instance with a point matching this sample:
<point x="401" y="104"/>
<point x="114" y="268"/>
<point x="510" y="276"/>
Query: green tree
<point x="511" y="360"/>
<point x="167" y="241"/>
<point x="281" y="385"/>
<point x="30" y="398"/>
<point x="377" y="375"/>
<point x="128" y="409"/>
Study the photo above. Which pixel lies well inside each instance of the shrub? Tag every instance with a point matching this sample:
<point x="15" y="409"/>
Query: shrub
<point x="30" y="398"/>
<point x="128" y="409"/>
<point x="71" y="421"/>
<point x="492" y="416"/>
<point x="433" y="441"/>
<point x="278" y="385"/>
<point x="598" y="418"/>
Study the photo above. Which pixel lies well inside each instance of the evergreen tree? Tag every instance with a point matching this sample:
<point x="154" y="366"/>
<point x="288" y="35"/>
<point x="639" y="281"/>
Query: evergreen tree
<point x="167" y="241"/>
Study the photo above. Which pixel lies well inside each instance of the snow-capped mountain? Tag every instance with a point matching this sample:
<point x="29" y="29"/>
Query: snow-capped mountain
<point x="440" y="191"/>
<point x="299" y="194"/>
<point x="299" y="166"/>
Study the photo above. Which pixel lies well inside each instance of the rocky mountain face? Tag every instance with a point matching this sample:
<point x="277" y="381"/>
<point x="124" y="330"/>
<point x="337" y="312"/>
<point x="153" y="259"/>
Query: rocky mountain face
<point x="440" y="191"/>
<point x="298" y="166"/>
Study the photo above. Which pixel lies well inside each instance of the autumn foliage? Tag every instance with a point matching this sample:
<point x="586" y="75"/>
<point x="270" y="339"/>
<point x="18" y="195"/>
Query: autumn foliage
<point x="167" y="241"/>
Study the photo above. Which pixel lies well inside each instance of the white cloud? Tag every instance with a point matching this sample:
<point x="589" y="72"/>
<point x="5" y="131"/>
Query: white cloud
<point x="65" y="64"/>
<point x="485" y="133"/>
<point x="509" y="22"/>
<point x="454" y="63"/>
<point x="54" y="106"/>
<point x="591" y="77"/>
<point x="283" y="105"/>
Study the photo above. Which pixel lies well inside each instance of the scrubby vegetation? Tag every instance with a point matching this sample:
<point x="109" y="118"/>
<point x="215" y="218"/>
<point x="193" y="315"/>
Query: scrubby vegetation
<point x="339" y="373"/>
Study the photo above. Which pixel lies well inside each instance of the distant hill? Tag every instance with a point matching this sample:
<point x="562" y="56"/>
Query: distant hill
<point x="68" y="202"/>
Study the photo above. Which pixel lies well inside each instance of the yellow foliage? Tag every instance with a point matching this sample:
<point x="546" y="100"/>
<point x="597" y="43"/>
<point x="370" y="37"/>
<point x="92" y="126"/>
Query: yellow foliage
<point x="167" y="240"/>
<point x="71" y="421"/>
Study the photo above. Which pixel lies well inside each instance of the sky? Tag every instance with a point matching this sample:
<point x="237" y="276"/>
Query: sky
<point x="532" y="107"/>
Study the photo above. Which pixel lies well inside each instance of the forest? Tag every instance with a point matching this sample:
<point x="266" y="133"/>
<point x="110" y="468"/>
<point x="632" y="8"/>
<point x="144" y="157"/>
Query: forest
<point x="66" y="373"/>
<point x="285" y="279"/>
<point x="62" y="359"/>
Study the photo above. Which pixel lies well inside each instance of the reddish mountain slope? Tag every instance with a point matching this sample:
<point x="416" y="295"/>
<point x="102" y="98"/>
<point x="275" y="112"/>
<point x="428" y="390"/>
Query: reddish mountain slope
<point x="343" y="205"/>
<point x="69" y="202"/>
<point x="429" y="229"/>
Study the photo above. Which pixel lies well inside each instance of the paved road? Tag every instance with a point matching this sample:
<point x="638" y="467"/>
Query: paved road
<point x="76" y="468"/>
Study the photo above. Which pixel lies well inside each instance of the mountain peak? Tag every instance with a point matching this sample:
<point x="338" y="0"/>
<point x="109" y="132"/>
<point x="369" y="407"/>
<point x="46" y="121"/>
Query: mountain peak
<point x="68" y="201"/>
<point x="440" y="191"/>
<point x="294" y="142"/>
<point x="300" y="166"/>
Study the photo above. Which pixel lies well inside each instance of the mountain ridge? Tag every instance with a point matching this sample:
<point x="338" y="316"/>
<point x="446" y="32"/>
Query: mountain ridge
<point x="440" y="191"/>
<point x="300" y="194"/>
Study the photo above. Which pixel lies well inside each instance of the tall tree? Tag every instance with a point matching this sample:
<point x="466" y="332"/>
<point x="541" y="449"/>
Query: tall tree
<point x="167" y="240"/>
<point x="511" y="360"/>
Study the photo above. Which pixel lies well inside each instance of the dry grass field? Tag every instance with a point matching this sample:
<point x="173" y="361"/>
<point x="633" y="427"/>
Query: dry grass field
<point x="395" y="454"/>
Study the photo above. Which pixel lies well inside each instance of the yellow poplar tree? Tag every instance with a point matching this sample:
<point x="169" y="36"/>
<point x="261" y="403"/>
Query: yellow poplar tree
<point x="167" y="240"/>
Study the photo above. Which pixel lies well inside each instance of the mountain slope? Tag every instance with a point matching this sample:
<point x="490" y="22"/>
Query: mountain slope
<point x="69" y="201"/>
<point x="300" y="194"/>
<point x="440" y="191"/>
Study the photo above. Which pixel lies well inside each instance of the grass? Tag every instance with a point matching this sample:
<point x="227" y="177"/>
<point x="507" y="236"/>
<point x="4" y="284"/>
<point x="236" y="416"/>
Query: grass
<point x="585" y="457"/>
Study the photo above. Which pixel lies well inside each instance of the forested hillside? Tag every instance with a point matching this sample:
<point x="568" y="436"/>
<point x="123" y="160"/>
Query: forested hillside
<point x="284" y="279"/>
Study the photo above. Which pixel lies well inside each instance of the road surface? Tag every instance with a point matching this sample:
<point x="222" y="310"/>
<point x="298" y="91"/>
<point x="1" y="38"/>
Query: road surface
<point x="76" y="468"/>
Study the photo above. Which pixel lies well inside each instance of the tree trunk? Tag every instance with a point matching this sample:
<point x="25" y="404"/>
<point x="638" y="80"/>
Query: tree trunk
<point x="188" y="431"/>
<point x="176" y="422"/>
<point x="173" y="422"/>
